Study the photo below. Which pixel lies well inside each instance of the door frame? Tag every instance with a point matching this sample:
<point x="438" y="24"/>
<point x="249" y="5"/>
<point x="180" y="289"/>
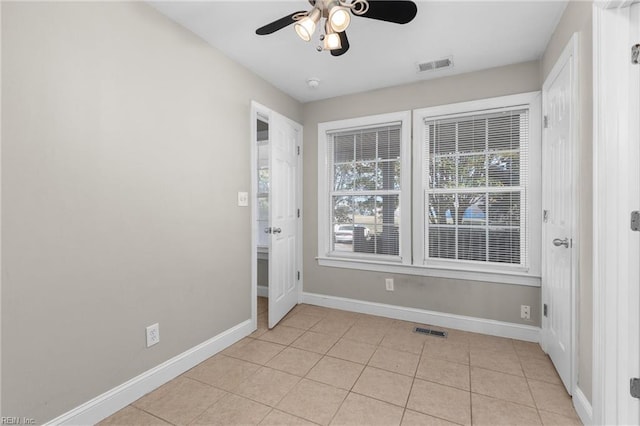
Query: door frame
<point x="259" y="110"/>
<point x="615" y="180"/>
<point x="569" y="53"/>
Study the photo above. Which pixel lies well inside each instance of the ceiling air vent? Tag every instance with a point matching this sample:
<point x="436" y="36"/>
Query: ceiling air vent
<point x="435" y="65"/>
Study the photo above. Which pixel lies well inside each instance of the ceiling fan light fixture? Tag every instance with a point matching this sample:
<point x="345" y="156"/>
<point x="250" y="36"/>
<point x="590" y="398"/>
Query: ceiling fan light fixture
<point x="339" y="18"/>
<point x="306" y="26"/>
<point x="336" y="17"/>
<point x="332" y="41"/>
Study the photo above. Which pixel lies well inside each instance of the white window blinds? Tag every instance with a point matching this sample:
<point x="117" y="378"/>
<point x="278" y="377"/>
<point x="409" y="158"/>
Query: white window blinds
<point x="475" y="187"/>
<point x="365" y="190"/>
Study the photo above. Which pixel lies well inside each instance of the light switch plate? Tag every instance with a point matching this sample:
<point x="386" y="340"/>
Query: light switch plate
<point x="243" y="199"/>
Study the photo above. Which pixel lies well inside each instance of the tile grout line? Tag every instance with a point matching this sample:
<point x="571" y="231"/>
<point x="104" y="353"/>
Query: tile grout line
<point x="421" y="412"/>
<point x="305" y="376"/>
<point x="289" y="414"/>
<point x="261" y="402"/>
<point x="413" y="381"/>
<point x="505" y="400"/>
<point x="377" y="399"/>
<point x="529" y="387"/>
<point x="470" y="386"/>
<point x="158" y="417"/>
<point x="350" y="391"/>
<point x="265" y="416"/>
<point x="260" y="366"/>
<point x="197" y="415"/>
<point x="528" y="379"/>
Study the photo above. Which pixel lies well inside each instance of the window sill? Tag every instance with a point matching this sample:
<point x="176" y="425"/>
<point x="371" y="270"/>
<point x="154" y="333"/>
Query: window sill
<point x="395" y="268"/>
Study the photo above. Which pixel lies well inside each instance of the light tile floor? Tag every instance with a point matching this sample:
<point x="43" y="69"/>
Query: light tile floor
<point x="325" y="366"/>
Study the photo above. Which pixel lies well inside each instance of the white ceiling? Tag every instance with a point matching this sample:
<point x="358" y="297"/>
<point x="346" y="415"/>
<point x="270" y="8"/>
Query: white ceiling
<point x="477" y="34"/>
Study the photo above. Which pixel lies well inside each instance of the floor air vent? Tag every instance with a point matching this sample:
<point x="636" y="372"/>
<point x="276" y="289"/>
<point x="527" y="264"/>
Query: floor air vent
<point x="431" y="332"/>
<point x="435" y="65"/>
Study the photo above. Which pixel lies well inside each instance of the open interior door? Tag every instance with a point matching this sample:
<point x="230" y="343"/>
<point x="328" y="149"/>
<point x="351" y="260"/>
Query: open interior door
<point x="283" y="217"/>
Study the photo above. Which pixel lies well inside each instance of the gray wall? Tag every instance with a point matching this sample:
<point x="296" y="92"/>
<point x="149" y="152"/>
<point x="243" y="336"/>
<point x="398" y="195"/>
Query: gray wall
<point x="478" y="299"/>
<point x="124" y="141"/>
<point x="578" y="18"/>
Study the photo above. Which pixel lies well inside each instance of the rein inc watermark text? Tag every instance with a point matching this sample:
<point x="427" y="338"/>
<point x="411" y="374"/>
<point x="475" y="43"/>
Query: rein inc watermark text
<point x="17" y="421"/>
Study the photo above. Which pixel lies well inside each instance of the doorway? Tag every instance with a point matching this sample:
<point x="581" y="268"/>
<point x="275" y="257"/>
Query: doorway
<point x="560" y="213"/>
<point x="276" y="200"/>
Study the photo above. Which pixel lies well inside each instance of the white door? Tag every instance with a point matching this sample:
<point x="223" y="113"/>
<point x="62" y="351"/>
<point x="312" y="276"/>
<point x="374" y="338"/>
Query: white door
<point x="283" y="217"/>
<point x="558" y="201"/>
<point x="633" y="350"/>
<point x="616" y="349"/>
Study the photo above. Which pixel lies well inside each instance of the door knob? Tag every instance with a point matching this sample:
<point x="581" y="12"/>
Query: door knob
<point x="277" y="230"/>
<point x="558" y="242"/>
<point x="267" y="230"/>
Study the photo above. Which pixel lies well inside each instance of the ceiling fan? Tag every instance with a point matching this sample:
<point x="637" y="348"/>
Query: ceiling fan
<point x="337" y="18"/>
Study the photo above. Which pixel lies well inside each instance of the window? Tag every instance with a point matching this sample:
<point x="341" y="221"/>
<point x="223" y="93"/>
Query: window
<point x="458" y="203"/>
<point x="475" y="187"/>
<point x="365" y="190"/>
<point x="479" y="178"/>
<point x="364" y="180"/>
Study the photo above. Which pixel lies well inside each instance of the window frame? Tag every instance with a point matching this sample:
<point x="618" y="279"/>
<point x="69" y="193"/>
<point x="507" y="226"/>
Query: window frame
<point x="412" y="236"/>
<point x="325" y="137"/>
<point x="532" y="268"/>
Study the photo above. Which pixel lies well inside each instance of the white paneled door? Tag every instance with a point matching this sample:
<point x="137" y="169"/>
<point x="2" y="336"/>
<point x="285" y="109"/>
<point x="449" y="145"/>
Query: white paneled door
<point x="632" y="416"/>
<point x="285" y="141"/>
<point x="616" y="192"/>
<point x="558" y="215"/>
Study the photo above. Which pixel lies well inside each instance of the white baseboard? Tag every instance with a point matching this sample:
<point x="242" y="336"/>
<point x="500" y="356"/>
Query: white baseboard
<point x="263" y="291"/>
<point x="582" y="406"/>
<point x="459" y="322"/>
<point x="104" y="405"/>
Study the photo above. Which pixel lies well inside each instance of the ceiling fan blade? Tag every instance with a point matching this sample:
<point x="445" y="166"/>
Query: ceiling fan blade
<point x="397" y="11"/>
<point x="278" y="24"/>
<point x="345" y="45"/>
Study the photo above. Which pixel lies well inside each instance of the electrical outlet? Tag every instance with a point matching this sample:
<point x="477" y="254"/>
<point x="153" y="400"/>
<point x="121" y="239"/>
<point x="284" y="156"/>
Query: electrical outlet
<point x="388" y="282"/>
<point x="525" y="311"/>
<point x="153" y="334"/>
